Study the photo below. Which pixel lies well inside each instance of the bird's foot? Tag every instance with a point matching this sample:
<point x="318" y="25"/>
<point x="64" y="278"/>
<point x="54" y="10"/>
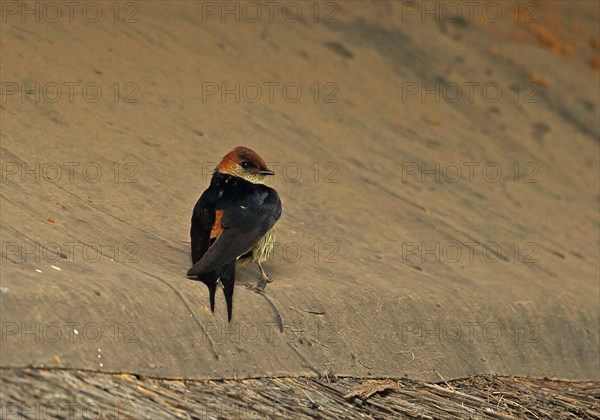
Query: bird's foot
<point x="262" y="283"/>
<point x="264" y="277"/>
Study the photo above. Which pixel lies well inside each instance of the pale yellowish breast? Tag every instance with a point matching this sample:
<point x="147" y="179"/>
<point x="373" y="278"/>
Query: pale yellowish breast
<point x="264" y="247"/>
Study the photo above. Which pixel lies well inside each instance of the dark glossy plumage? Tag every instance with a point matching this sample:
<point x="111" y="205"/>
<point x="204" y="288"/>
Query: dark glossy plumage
<point x="249" y="210"/>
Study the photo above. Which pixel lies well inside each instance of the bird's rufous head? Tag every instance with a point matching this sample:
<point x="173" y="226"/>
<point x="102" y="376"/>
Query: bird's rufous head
<point x="246" y="164"/>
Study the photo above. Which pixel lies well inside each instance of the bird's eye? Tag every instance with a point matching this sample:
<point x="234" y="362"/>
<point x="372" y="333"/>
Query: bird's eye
<point x="245" y="165"/>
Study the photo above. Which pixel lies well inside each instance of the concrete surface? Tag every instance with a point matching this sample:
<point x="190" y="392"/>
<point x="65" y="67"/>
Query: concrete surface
<point x="382" y="266"/>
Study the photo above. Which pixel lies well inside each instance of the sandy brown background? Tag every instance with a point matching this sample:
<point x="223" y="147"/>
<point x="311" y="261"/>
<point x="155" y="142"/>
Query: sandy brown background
<point x="364" y="305"/>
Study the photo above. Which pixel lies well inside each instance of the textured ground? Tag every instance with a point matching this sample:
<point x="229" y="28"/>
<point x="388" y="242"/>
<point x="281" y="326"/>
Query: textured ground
<point x="55" y="393"/>
<point x="439" y="176"/>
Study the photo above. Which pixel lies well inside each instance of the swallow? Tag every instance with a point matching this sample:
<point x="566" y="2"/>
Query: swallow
<point x="232" y="221"/>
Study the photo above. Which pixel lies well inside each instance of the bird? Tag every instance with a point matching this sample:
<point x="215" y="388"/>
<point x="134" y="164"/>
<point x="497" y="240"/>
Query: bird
<point x="233" y="220"/>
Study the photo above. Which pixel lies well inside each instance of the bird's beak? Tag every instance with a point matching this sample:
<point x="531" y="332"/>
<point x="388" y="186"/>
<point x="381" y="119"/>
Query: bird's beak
<point x="266" y="172"/>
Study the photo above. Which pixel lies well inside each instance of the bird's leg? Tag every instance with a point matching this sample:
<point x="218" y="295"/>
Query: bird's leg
<point x="262" y="280"/>
<point x="263" y="274"/>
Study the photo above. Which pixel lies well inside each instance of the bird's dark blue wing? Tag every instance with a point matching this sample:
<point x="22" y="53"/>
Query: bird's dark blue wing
<point x="248" y="212"/>
<point x="203" y="219"/>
